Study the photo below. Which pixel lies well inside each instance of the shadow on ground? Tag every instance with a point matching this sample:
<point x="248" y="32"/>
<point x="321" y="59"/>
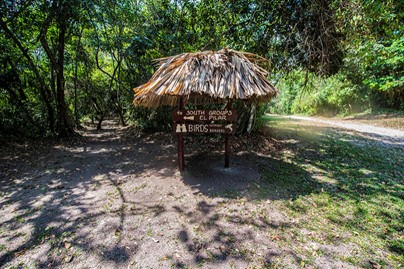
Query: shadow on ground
<point x="114" y="198"/>
<point x="205" y="173"/>
<point x="49" y="191"/>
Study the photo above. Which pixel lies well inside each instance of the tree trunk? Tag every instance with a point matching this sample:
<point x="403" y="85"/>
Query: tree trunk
<point x="76" y="115"/>
<point x="57" y="61"/>
<point x="100" y="120"/>
<point x="118" y="93"/>
<point x="251" y="120"/>
<point x="64" y="128"/>
<point x="76" y="66"/>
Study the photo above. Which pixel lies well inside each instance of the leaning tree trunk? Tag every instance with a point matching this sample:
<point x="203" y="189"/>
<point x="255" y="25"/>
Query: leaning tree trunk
<point x="43" y="91"/>
<point x="57" y="61"/>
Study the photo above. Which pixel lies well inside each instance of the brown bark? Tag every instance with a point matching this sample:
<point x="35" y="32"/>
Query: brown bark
<point x="57" y="61"/>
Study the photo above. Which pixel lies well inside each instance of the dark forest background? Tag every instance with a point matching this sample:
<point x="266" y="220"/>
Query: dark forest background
<point x="63" y="62"/>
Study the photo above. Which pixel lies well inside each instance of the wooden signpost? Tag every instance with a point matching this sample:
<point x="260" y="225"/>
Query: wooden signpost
<point x="204" y="128"/>
<point x="194" y="115"/>
<point x="204" y="122"/>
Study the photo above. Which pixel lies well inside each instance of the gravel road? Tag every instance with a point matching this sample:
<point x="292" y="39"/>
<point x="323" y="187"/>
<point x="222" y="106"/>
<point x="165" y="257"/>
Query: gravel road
<point x="387" y="135"/>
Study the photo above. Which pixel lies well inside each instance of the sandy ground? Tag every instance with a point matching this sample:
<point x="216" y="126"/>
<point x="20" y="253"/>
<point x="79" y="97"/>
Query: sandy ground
<point x="115" y="199"/>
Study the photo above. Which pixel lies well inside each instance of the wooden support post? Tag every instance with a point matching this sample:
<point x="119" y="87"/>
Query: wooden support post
<point x="226" y="140"/>
<point x="181" y="164"/>
<point x="180" y="136"/>
<point x="226" y="150"/>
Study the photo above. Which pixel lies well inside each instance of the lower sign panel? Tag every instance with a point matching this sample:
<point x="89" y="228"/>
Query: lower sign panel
<point x="227" y="128"/>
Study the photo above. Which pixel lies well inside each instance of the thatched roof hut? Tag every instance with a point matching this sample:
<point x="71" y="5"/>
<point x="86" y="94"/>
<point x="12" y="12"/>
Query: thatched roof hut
<point x="206" y="77"/>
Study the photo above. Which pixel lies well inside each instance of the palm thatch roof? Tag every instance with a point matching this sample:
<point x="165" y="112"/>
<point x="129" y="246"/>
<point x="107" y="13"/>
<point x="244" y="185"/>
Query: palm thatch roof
<point x="206" y="77"/>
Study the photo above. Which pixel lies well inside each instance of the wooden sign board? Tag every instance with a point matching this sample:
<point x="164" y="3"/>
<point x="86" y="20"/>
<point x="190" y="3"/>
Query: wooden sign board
<point x="204" y="128"/>
<point x="193" y="115"/>
<point x="204" y="122"/>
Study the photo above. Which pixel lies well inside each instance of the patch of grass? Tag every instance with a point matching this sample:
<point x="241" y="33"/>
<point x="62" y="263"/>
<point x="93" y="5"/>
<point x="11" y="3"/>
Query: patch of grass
<point x="397" y="245"/>
<point x="3" y="247"/>
<point x="20" y="265"/>
<point x="341" y="184"/>
<point x="149" y="232"/>
<point x="45" y="234"/>
<point x="112" y="194"/>
<point x="141" y="186"/>
<point x="19" y="219"/>
<point x="230" y="194"/>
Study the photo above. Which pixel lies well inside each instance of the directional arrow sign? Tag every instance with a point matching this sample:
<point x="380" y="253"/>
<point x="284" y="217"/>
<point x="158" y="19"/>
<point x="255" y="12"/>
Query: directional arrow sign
<point x="189" y="117"/>
<point x="210" y="128"/>
<point x="199" y="115"/>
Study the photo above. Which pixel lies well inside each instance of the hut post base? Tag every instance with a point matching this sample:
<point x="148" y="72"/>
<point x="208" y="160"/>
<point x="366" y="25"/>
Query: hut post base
<point x="226" y="139"/>
<point x="226" y="150"/>
<point x="181" y="164"/>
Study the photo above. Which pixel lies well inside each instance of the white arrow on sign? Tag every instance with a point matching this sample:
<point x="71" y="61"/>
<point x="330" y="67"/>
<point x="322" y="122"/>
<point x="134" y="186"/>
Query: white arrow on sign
<point x="229" y="126"/>
<point x="189" y="118"/>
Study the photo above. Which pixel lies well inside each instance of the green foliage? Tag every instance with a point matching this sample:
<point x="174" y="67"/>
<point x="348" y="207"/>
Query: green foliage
<point x="103" y="49"/>
<point x="14" y="120"/>
<point x="306" y="93"/>
<point x="260" y="120"/>
<point x="386" y="65"/>
<point x="153" y="120"/>
<point x="351" y="183"/>
<point x="378" y="66"/>
<point x="289" y="88"/>
<point x="374" y="49"/>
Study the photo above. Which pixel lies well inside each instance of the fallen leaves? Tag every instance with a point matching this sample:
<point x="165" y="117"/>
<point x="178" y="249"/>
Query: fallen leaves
<point x="117" y="233"/>
<point x="19" y="253"/>
<point x="68" y="258"/>
<point x="67" y="245"/>
<point x="275" y="238"/>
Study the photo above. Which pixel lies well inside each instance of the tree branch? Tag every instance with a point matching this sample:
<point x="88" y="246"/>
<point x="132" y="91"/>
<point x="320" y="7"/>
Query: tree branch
<point x="44" y="42"/>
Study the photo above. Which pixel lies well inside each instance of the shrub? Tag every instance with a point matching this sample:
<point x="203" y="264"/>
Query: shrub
<point x="306" y="93"/>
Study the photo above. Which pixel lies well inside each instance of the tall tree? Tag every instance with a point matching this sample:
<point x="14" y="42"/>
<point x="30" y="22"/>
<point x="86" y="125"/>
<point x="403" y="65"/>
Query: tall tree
<point x="60" y="13"/>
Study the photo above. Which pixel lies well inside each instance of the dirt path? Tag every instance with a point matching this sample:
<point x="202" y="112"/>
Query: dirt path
<point x="383" y="134"/>
<point x="115" y="199"/>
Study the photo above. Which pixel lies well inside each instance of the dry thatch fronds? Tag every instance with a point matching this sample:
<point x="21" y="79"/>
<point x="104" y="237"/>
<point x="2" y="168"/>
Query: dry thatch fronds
<point x="206" y="77"/>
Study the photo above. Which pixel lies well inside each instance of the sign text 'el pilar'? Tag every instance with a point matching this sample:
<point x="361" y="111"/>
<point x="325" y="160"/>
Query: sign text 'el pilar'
<point x="204" y="122"/>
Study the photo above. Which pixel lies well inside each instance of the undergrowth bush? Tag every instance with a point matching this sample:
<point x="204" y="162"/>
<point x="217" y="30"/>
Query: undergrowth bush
<point x="307" y="93"/>
<point x="153" y="120"/>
